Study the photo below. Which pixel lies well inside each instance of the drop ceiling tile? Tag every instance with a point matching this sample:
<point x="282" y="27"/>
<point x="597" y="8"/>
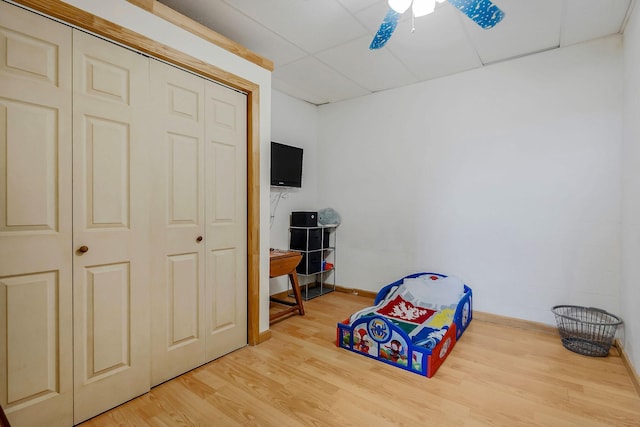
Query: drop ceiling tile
<point x="590" y="19"/>
<point x="314" y="77"/>
<point x="527" y="27"/>
<point x="311" y="25"/>
<point x="338" y="32"/>
<point x="371" y="17"/>
<point x="297" y="92"/>
<point x="356" y="5"/>
<point x="437" y="47"/>
<point x="227" y="21"/>
<point x="374" y="70"/>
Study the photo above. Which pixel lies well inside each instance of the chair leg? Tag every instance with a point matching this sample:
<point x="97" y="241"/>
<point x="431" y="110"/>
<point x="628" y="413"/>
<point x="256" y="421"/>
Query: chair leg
<point x="293" y="278"/>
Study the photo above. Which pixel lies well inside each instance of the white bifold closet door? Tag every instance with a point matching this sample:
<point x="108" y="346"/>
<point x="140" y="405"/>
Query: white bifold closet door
<point x="123" y="199"/>
<point x="177" y="221"/>
<point x="226" y="219"/>
<point x="36" y="380"/>
<point x="199" y="222"/>
<point x="110" y="225"/>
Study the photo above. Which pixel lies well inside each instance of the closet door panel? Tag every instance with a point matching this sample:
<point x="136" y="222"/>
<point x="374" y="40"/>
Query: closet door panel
<point x="177" y="217"/>
<point x="32" y="336"/>
<point x="36" y="382"/>
<point x="222" y="268"/>
<point x="106" y="163"/>
<point x="226" y="214"/>
<point x="184" y="202"/>
<point x="107" y="340"/>
<point x="223" y="162"/>
<point x="111" y="227"/>
<point x="30" y="145"/>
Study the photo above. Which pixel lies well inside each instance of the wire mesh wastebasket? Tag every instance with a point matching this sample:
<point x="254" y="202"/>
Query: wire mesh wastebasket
<point x="586" y="330"/>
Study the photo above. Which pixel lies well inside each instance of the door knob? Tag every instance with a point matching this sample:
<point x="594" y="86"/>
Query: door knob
<point x="83" y="249"/>
<point x="199" y="239"/>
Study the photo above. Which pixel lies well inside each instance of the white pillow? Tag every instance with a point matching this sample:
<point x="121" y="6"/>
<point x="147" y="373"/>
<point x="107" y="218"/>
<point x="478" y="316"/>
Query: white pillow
<point x="452" y="282"/>
<point x="442" y="292"/>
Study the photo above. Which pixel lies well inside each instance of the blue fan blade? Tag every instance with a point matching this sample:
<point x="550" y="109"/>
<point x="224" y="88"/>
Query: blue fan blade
<point x="389" y="24"/>
<point x="482" y="12"/>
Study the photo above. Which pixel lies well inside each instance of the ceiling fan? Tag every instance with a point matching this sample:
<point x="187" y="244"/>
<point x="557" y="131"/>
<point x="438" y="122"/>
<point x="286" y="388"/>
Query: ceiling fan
<point x="482" y="12"/>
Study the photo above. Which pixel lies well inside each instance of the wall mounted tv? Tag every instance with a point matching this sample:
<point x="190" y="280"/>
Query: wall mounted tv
<point x="286" y="165"/>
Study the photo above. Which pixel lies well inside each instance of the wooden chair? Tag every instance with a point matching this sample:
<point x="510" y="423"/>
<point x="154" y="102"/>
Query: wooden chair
<point x="4" y="422"/>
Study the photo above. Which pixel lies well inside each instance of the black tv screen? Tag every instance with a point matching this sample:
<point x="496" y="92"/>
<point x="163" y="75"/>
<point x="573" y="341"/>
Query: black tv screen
<point x="286" y="165"/>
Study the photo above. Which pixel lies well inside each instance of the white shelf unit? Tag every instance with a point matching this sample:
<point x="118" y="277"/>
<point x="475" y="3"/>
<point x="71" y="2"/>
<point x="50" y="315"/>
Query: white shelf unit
<point x="318" y="248"/>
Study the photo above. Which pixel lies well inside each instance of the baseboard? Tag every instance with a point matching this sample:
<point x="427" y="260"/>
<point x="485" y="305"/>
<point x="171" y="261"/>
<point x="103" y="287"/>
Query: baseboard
<point x="264" y="336"/>
<point x="515" y="323"/>
<point x="478" y="315"/>
<point x="542" y="327"/>
<point x="627" y="363"/>
<point x="353" y="291"/>
<point x="281" y="295"/>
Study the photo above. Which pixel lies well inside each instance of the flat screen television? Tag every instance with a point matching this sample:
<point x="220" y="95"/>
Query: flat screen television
<point x="286" y="165"/>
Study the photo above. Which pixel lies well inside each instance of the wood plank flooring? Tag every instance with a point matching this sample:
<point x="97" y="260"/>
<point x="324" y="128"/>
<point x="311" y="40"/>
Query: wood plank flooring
<point x="495" y="376"/>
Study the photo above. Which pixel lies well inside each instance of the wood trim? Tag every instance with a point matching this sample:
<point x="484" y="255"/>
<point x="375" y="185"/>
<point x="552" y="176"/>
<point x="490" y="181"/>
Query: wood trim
<point x="515" y="323"/>
<point x="627" y="363"/>
<point x="510" y="322"/>
<point x="478" y="315"/>
<point x="253" y="218"/>
<point x="353" y="291"/>
<point x="194" y="27"/>
<point x="281" y="295"/>
<point x="521" y="324"/>
<point x="264" y="336"/>
<point x="81" y="19"/>
<point x="85" y="20"/>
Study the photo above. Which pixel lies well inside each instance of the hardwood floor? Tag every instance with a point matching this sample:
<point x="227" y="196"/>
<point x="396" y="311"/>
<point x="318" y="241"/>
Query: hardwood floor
<point x="495" y="376"/>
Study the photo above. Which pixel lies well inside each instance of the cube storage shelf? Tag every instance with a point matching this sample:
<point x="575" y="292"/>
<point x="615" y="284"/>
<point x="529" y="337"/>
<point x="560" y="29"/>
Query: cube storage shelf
<point x="317" y="246"/>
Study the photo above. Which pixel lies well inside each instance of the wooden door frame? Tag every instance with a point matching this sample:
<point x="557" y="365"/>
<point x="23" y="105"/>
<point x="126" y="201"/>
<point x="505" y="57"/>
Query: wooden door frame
<point x="84" y="20"/>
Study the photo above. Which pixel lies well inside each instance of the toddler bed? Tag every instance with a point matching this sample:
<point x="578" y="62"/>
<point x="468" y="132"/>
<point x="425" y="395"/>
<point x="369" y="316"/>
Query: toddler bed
<point x="413" y="324"/>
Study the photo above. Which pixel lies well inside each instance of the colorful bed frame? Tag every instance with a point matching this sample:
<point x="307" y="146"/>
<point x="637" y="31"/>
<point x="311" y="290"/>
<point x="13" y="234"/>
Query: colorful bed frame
<point x="382" y="337"/>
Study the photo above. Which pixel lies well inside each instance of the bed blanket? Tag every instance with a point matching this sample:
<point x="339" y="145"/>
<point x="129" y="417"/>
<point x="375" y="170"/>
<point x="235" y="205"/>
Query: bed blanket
<point x="424" y="316"/>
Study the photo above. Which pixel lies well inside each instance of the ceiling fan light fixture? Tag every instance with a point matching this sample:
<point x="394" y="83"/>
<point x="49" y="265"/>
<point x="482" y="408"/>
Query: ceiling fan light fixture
<point x="423" y="7"/>
<point x="482" y="12"/>
<point x="399" y="6"/>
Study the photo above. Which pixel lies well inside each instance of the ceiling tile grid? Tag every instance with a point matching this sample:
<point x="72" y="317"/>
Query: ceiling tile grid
<point x="320" y="48"/>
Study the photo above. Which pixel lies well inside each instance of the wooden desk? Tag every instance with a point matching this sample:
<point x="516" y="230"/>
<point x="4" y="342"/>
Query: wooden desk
<point x="281" y="263"/>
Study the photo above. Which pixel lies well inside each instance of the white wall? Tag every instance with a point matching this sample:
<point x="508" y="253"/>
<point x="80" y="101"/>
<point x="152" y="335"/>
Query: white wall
<point x="631" y="191"/>
<point x="507" y="176"/>
<point x="293" y="122"/>
<point x="129" y="16"/>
